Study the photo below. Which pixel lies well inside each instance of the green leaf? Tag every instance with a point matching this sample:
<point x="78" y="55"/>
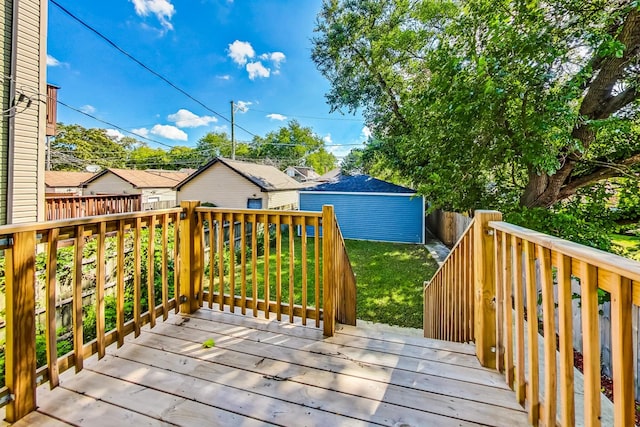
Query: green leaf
<point x="209" y="343"/>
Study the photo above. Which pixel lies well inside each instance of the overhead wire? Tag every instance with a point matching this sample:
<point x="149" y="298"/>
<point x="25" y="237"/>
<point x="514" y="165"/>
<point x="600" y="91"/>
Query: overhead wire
<point x="112" y="124"/>
<point x="146" y="67"/>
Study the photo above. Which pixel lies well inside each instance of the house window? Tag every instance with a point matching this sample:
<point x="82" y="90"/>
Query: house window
<point x="254" y="203"/>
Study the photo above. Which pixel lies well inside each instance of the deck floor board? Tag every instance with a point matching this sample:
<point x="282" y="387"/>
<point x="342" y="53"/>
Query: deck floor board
<point x="263" y="372"/>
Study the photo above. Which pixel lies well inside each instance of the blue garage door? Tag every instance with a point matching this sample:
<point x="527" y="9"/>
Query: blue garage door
<point x="372" y="216"/>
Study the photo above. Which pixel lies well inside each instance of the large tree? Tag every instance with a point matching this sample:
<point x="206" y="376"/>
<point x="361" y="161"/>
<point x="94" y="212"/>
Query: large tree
<point x="219" y="144"/>
<point x="293" y="145"/>
<point x="489" y="102"/>
<point x="76" y="147"/>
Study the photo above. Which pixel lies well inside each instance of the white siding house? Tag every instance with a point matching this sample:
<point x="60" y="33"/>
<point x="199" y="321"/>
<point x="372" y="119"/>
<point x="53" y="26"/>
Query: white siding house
<point x="65" y="183"/>
<point x="152" y="186"/>
<point x="240" y="185"/>
<point x="23" y="29"/>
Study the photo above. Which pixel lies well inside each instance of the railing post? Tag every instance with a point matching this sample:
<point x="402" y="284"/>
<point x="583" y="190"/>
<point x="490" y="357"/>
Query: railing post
<point x="484" y="289"/>
<point x="191" y="258"/>
<point x="328" y="270"/>
<point x="20" y="373"/>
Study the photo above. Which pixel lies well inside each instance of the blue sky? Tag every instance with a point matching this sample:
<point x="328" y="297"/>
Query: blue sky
<point x="254" y="52"/>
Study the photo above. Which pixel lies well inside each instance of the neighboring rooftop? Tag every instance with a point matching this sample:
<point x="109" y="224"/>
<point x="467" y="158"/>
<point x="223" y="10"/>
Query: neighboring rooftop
<point x="360" y="184"/>
<point x="65" y="178"/>
<point x="143" y="178"/>
<point x="268" y="178"/>
<point x="332" y="174"/>
<point x="301" y="173"/>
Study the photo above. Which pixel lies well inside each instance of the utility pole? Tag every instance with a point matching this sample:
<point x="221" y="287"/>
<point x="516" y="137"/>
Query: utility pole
<point x="233" y="135"/>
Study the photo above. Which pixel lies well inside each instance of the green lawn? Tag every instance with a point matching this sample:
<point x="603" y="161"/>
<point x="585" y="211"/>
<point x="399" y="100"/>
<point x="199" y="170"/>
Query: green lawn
<point x="629" y="246"/>
<point x="390" y="280"/>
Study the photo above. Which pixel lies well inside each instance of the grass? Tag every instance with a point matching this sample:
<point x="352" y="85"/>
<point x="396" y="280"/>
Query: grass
<point x="628" y="246"/>
<point x="390" y="280"/>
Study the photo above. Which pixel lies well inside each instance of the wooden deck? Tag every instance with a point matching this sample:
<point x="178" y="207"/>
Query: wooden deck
<point x="264" y="372"/>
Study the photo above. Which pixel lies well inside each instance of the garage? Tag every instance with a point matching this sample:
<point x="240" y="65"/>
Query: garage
<point x="370" y="209"/>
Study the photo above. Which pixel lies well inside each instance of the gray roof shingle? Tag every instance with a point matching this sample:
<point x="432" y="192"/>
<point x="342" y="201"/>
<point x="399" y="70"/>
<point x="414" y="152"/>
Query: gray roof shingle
<point x="360" y="184"/>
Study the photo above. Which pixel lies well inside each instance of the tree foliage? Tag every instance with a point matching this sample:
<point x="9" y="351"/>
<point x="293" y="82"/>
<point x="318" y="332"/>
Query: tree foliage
<point x="75" y="147"/>
<point x="293" y="145"/>
<point x="489" y="103"/>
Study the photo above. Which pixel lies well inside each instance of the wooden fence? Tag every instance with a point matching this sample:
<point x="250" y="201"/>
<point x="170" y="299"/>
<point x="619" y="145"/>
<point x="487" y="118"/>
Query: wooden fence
<point x="68" y="207"/>
<point x="448" y="226"/>
<point x="508" y="263"/>
<point x="162" y="204"/>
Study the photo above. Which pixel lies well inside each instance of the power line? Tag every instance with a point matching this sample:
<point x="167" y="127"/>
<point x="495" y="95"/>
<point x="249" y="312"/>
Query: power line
<point x="149" y="69"/>
<point x="111" y="124"/>
<point x="308" y="117"/>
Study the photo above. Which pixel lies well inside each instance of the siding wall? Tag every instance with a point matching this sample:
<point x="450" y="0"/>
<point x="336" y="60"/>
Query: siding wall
<point x="223" y="187"/>
<point x="110" y="184"/>
<point x="69" y="191"/>
<point x="5" y="70"/>
<point x="162" y="194"/>
<point x="22" y="165"/>
<point x="283" y="199"/>
<point x="365" y="216"/>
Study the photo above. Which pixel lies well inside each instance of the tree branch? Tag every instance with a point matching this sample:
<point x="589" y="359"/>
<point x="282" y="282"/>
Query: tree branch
<point x="605" y="171"/>
<point x="612" y="69"/>
<point x="621" y="100"/>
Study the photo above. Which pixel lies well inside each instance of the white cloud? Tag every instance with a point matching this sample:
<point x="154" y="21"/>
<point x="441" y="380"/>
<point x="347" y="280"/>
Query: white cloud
<point x="186" y="119"/>
<point x="275" y="116"/>
<point x="256" y="69"/>
<point x="114" y="134"/>
<point x="224" y="77"/>
<point x="275" y="57"/>
<point x="162" y="9"/>
<point x="89" y="109"/>
<point x="169" y="132"/>
<point x="243" y="106"/>
<point x="143" y="132"/>
<point x="327" y="139"/>
<point x="221" y="129"/>
<point x="52" y="62"/>
<point x="240" y="52"/>
<point x="366" y="132"/>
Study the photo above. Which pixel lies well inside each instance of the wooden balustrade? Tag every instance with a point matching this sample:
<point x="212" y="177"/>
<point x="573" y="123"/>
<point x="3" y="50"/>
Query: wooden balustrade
<point x="22" y="243"/>
<point x="522" y="290"/>
<point x="448" y="297"/>
<point x="68" y="207"/>
<point x="529" y="261"/>
<point x="273" y="266"/>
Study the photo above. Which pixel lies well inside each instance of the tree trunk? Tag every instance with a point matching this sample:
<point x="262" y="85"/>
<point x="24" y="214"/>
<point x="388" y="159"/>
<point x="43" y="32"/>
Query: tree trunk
<point x="543" y="190"/>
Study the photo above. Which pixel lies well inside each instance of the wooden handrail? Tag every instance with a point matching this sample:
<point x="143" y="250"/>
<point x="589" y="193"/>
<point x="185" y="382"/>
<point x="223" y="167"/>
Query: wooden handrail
<point x="21" y="245"/>
<point x="143" y="243"/>
<point x="277" y="268"/>
<point x="448" y="296"/>
<point x="527" y="260"/>
<point x="523" y="278"/>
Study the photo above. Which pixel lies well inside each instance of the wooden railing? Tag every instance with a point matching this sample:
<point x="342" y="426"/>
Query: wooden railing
<point x="68" y="207"/>
<point x="173" y="259"/>
<point x="451" y="288"/>
<point x="111" y="236"/>
<point x="520" y="273"/>
<point x="273" y="267"/>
